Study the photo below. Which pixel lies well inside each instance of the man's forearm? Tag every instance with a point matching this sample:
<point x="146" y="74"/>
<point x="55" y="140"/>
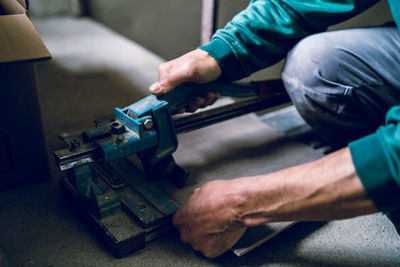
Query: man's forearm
<point x="326" y="189"/>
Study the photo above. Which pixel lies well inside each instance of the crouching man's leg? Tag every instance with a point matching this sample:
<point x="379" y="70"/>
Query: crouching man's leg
<point x="344" y="82"/>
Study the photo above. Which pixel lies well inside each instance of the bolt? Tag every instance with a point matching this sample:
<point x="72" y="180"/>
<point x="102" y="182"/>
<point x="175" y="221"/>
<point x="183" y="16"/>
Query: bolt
<point x="74" y="144"/>
<point x="117" y="127"/>
<point x="132" y="115"/>
<point x="120" y="138"/>
<point x="148" y="124"/>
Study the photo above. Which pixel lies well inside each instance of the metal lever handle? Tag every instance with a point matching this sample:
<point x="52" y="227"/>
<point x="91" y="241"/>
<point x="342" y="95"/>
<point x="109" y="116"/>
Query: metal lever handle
<point x="183" y="94"/>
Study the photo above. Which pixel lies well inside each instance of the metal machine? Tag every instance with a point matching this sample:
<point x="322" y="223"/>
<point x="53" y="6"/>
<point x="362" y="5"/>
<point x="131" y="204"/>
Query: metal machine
<point x="117" y="195"/>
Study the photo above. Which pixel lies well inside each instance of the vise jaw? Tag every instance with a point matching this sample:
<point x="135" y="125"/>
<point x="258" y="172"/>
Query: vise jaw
<point x="146" y="124"/>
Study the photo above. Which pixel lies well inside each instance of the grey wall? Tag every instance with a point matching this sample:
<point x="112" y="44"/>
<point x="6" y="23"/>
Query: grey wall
<point x="46" y="8"/>
<point x="167" y="27"/>
<point x="376" y="15"/>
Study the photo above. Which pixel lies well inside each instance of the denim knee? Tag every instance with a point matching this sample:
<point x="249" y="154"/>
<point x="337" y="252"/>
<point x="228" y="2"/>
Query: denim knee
<point x="313" y="74"/>
<point x="312" y="77"/>
<point x="344" y="82"/>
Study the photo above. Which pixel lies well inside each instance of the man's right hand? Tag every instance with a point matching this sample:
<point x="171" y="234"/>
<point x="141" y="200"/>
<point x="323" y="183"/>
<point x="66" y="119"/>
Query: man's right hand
<point x="196" y="66"/>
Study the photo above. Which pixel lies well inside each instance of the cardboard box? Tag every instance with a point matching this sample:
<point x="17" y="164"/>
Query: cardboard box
<point x="23" y="157"/>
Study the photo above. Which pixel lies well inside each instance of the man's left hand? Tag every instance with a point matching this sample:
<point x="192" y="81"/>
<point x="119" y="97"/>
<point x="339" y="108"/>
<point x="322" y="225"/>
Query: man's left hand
<point x="209" y="221"/>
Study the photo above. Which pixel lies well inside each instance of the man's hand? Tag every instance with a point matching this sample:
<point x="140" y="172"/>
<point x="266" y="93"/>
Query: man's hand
<point x="196" y="66"/>
<point x="209" y="219"/>
<point x="217" y="214"/>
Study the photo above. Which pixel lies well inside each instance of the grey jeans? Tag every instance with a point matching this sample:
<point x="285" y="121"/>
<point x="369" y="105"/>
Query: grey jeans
<point x="344" y="82"/>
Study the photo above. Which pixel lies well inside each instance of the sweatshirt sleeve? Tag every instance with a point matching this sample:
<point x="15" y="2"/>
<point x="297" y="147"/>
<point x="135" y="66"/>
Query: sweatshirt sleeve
<point x="377" y="161"/>
<point x="263" y="33"/>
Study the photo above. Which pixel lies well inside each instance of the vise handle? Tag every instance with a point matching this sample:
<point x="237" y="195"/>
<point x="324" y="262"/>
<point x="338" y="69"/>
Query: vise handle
<point x="183" y="94"/>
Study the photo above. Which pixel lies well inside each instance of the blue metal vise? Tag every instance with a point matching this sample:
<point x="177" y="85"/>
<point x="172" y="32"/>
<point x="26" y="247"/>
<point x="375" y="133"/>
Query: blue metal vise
<point x="144" y="128"/>
<point x="138" y="127"/>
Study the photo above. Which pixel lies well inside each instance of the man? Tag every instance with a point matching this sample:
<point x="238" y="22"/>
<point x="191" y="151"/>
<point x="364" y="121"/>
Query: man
<point x="343" y="84"/>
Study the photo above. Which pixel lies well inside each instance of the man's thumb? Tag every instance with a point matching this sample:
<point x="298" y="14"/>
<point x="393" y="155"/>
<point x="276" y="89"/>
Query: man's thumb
<point x="163" y="87"/>
<point x="155" y="88"/>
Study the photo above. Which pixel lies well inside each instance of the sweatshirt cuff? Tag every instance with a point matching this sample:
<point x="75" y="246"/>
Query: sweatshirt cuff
<point x="372" y="167"/>
<point x="225" y="58"/>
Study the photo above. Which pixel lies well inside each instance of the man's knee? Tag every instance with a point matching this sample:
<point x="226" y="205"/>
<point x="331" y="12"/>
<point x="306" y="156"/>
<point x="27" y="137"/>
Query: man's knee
<point x="302" y="75"/>
<point x="312" y="79"/>
<point x="338" y="85"/>
<point x="316" y="64"/>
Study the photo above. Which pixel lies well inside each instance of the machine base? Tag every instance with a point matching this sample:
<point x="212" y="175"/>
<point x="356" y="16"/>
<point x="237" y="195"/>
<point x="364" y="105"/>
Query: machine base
<point x="143" y="213"/>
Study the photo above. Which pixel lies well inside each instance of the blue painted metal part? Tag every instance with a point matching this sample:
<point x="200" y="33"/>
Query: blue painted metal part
<point x="146" y="105"/>
<point x="161" y="135"/>
<point x="83" y="179"/>
<point x="106" y="201"/>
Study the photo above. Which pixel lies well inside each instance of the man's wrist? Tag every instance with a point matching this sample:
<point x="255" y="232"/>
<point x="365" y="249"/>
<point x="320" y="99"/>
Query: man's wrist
<point x="256" y="198"/>
<point x="262" y="200"/>
<point x="223" y="54"/>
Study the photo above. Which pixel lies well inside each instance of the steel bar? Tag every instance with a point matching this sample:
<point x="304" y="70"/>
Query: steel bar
<point x="209" y="117"/>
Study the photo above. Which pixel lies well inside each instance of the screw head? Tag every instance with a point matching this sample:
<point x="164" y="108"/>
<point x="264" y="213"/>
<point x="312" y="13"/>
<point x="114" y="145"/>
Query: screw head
<point x="120" y="138"/>
<point x="148" y="124"/>
<point x="74" y="144"/>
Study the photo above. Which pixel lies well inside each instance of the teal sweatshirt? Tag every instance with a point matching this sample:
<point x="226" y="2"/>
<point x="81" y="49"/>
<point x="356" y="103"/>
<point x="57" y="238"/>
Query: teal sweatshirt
<point x="266" y="30"/>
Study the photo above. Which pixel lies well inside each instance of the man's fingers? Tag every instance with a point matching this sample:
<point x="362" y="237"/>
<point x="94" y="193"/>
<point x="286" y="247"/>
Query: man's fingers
<point x="216" y="97"/>
<point x="202" y="102"/>
<point x="210" y="99"/>
<point x="159" y="88"/>
<point x="196" y="104"/>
